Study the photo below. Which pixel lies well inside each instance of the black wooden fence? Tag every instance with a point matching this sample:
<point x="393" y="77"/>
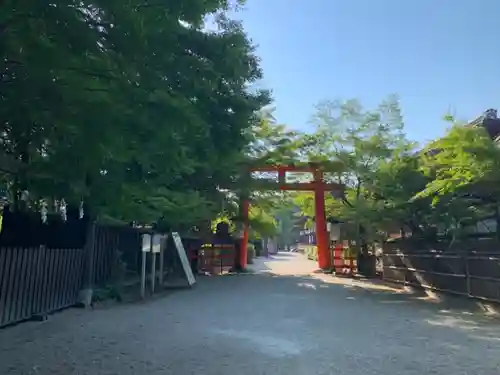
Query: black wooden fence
<point x="37" y="277"/>
<point x="38" y="280"/>
<point x="113" y="244"/>
<point x="470" y="268"/>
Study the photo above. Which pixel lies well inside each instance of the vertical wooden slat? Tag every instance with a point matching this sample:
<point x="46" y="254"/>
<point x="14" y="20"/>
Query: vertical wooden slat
<point x="46" y="271"/>
<point x="41" y="266"/>
<point x="115" y="255"/>
<point x="98" y="255"/>
<point x="30" y="267"/>
<point x="467" y="273"/>
<point x="12" y="291"/>
<point x="28" y="295"/>
<point x="79" y="279"/>
<point x="102" y="257"/>
<point x="66" y="285"/>
<point x="5" y="256"/>
<point x="55" y="279"/>
<point x="12" y="295"/>
<point x="70" y="254"/>
<point x="48" y="292"/>
<point x="58" y="279"/>
<point x="63" y="280"/>
<point x="95" y="259"/>
<point x="44" y="279"/>
<point x="105" y="256"/>
<point x="32" y="280"/>
<point x="23" y="284"/>
<point x="107" y="261"/>
<point x="78" y="272"/>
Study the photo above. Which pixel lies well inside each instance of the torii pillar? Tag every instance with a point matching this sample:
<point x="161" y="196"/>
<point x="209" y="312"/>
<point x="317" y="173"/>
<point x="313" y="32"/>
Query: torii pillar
<point x="245" y="208"/>
<point x="318" y="186"/>
<point x="320" y="218"/>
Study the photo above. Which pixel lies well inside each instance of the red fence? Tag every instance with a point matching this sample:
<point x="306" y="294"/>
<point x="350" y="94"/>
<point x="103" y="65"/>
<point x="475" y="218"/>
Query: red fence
<point x="216" y="258"/>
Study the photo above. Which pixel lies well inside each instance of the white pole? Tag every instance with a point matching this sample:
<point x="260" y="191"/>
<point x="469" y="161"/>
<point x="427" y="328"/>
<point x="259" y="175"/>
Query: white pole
<point x="163" y="244"/>
<point x="153" y="266"/>
<point x="143" y="274"/>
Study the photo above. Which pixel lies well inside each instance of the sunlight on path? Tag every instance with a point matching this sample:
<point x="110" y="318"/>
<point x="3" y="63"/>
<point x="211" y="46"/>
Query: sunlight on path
<point x="284" y="263"/>
<point x="295" y="264"/>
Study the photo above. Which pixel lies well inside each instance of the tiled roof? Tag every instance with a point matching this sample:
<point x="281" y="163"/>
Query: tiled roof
<point x="489" y="121"/>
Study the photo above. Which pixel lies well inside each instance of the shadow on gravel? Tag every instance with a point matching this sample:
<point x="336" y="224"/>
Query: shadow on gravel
<point x="266" y="302"/>
<point x="453" y="313"/>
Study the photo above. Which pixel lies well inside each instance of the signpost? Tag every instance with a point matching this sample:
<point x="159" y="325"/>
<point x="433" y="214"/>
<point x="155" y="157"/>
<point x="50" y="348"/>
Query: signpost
<point x="163" y="247"/>
<point x="155" y="249"/>
<point x="184" y="259"/>
<point x="156" y="244"/>
<point x="146" y="248"/>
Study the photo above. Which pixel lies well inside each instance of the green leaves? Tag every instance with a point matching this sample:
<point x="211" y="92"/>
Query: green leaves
<point x="453" y="181"/>
<point x="272" y="143"/>
<point x="464" y="156"/>
<point x="132" y="106"/>
<point x="380" y="172"/>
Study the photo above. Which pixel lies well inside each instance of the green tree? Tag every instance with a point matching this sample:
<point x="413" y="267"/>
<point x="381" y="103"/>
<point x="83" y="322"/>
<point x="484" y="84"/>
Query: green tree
<point x="462" y="172"/>
<point x="271" y="142"/>
<point x="394" y="184"/>
<point x="362" y="140"/>
<point x="134" y="107"/>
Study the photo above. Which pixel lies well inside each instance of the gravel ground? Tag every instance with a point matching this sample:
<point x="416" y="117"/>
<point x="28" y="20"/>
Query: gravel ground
<point x="259" y="324"/>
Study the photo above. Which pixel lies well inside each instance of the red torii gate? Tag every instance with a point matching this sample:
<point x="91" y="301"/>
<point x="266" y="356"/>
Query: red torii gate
<point x="318" y="186"/>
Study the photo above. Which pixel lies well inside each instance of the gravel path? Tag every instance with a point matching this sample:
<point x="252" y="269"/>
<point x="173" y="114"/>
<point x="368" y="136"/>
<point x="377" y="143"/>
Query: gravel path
<point x="259" y="324"/>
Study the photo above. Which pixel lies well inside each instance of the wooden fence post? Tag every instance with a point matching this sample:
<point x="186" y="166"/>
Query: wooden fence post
<point x="145" y="248"/>
<point x="162" y="260"/>
<point x="467" y="272"/>
<point x="86" y="293"/>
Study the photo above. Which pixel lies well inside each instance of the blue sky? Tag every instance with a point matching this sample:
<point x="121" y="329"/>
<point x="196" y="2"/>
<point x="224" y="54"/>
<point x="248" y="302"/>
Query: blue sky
<point x="436" y="54"/>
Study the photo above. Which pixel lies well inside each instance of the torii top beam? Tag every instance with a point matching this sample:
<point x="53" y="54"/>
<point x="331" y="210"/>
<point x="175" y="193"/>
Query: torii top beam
<point x="317" y="169"/>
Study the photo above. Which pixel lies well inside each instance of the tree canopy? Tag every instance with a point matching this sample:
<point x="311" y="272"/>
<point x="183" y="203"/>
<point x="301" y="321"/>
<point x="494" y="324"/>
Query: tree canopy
<point x="143" y="110"/>
<point x="136" y="108"/>
<point x="391" y="183"/>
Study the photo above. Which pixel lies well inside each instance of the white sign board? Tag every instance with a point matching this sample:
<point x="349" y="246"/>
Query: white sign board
<point x="156" y="248"/>
<point x="163" y="241"/>
<point x="183" y="257"/>
<point x="334" y="232"/>
<point x="146" y="243"/>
